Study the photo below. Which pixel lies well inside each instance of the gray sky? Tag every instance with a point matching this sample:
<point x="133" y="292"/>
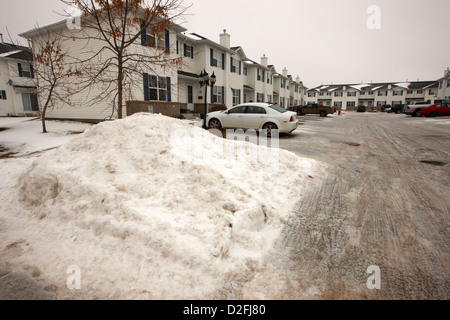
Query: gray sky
<point x="322" y="41"/>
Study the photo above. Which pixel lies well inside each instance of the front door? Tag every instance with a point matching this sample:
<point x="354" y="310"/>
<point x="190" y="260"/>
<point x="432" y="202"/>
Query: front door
<point x="190" y="97"/>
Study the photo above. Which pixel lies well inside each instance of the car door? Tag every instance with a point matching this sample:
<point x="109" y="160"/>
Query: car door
<point x="234" y="118"/>
<point x="444" y="109"/>
<point x="255" y="117"/>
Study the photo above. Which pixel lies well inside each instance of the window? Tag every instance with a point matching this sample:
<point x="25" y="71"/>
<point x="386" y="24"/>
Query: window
<point x="269" y="76"/>
<point x="217" y="59"/>
<point x="448" y="82"/>
<point x="269" y="98"/>
<point x="217" y="94"/>
<point x="381" y="103"/>
<point x="370" y="93"/>
<point x="282" y="102"/>
<point x="237" y="110"/>
<point x="259" y="97"/>
<point x="235" y="66"/>
<point x="321" y="94"/>
<point x="188" y="51"/>
<point x="397" y="93"/>
<point x="236" y="96"/>
<point x="419" y="91"/>
<point x="245" y="71"/>
<point x="351" y="104"/>
<point x="263" y="76"/>
<point x="30" y="102"/>
<point x="351" y="94"/>
<point x="2" y="95"/>
<point x="156" y="88"/>
<point x="338" y="94"/>
<point x="338" y="104"/>
<point x="160" y="41"/>
<point x="277" y="108"/>
<point x="311" y="94"/>
<point x="410" y="92"/>
<point x="259" y="75"/>
<point x="283" y="83"/>
<point x="431" y="92"/>
<point x="362" y="93"/>
<point x="382" y="93"/>
<point x="256" y="110"/>
<point x="25" y="70"/>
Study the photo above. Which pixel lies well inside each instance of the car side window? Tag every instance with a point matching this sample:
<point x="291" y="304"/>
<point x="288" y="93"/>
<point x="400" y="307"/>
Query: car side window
<point x="237" y="110"/>
<point x="256" y="110"/>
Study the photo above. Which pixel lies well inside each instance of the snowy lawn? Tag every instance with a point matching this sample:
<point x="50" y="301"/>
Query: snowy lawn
<point x="22" y="135"/>
<point x="147" y="207"/>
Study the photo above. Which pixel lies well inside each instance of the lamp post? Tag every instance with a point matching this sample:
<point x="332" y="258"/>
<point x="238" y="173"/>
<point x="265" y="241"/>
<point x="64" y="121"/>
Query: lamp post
<point x="205" y="80"/>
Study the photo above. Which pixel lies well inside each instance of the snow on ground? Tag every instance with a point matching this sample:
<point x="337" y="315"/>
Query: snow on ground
<point x="23" y="135"/>
<point x="147" y="207"/>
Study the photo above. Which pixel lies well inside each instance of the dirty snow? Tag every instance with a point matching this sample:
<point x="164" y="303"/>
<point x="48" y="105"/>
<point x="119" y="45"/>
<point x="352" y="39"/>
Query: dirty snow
<point x="144" y="212"/>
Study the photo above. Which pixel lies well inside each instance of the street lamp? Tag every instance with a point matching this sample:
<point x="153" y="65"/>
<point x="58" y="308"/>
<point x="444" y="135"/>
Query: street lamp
<point x="205" y="80"/>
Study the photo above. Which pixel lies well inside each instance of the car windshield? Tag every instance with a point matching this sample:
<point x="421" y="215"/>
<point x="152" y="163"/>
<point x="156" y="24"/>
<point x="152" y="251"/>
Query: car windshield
<point x="277" y="108"/>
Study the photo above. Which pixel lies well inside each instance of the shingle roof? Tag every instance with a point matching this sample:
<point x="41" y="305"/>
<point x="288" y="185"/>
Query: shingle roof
<point x="15" y="52"/>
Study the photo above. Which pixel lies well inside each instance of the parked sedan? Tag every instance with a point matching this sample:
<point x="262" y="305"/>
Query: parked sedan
<point x="437" y="109"/>
<point x="254" y="116"/>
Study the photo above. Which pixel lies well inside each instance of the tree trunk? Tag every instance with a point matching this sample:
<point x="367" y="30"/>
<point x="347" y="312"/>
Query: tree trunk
<point x="44" y="110"/>
<point x="119" y="87"/>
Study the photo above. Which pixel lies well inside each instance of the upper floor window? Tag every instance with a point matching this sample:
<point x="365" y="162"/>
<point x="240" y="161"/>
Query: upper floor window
<point x="217" y="59"/>
<point x="25" y="70"/>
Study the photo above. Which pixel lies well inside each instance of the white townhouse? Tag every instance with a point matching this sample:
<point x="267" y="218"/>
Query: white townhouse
<point x="259" y="81"/>
<point x="198" y="54"/>
<point x="155" y="84"/>
<point x="347" y="96"/>
<point x="17" y="82"/>
<point x="444" y="85"/>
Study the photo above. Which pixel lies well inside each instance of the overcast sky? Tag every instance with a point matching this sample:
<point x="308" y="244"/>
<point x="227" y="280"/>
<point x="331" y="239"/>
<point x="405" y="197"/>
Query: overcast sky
<point x="322" y="41"/>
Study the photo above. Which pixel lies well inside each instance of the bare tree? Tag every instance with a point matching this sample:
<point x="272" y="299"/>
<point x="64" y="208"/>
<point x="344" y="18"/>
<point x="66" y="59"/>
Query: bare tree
<point x="133" y="36"/>
<point x="52" y="71"/>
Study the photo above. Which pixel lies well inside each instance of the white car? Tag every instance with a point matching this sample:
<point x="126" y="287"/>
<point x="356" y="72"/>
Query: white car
<point x="254" y="116"/>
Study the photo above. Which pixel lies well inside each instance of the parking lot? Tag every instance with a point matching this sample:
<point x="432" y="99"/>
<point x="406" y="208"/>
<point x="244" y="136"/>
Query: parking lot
<point x="383" y="202"/>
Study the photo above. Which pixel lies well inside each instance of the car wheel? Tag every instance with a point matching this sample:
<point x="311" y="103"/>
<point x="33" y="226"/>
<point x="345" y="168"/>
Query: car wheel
<point x="215" y="124"/>
<point x="323" y="114"/>
<point x="299" y="113"/>
<point x="269" y="128"/>
<point x="433" y="114"/>
<point x="414" y="114"/>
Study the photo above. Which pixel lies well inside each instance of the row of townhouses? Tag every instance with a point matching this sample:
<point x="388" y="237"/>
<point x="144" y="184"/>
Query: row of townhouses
<point x="239" y="78"/>
<point x="347" y="96"/>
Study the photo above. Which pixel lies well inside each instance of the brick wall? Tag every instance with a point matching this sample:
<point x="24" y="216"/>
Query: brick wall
<point x="170" y="109"/>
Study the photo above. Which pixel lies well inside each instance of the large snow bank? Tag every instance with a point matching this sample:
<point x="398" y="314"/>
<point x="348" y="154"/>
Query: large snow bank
<point x="141" y="216"/>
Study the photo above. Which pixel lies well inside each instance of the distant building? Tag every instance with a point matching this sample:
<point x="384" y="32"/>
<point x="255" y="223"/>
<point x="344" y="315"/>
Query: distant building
<point x="444" y="85"/>
<point x="348" y="96"/>
<point x="17" y="83"/>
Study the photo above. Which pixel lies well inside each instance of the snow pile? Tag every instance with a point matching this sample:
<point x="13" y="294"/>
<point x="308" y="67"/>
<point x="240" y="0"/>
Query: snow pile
<point x="141" y="217"/>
